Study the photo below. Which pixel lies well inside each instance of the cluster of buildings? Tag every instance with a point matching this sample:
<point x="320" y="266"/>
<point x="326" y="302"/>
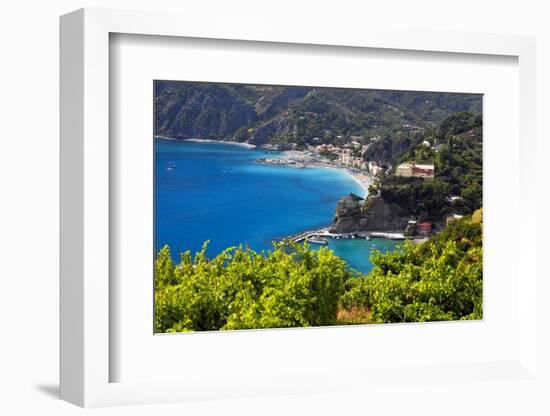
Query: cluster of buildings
<point x="350" y="155"/>
<point x="347" y="159"/>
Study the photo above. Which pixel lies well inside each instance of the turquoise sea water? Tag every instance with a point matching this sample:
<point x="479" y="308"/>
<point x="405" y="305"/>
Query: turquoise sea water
<point x="216" y="192"/>
<point x="357" y="252"/>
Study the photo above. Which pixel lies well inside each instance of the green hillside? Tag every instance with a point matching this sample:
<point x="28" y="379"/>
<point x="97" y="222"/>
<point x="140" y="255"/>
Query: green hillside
<point x="275" y="114"/>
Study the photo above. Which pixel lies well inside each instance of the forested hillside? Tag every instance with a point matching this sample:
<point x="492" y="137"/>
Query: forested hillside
<point x="456" y="150"/>
<point x="273" y="114"/>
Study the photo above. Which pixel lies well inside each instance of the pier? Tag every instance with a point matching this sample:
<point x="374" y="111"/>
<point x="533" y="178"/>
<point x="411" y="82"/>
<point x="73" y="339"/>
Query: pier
<point x="304" y="235"/>
<point x="325" y="233"/>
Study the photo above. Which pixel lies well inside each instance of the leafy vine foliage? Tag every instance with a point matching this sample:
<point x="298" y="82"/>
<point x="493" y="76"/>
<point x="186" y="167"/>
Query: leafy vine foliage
<point x="440" y="280"/>
<point x="293" y="286"/>
<point x="238" y="289"/>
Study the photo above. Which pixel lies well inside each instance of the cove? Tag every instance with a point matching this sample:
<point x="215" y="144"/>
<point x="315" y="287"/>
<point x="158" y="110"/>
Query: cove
<point x="216" y="192"/>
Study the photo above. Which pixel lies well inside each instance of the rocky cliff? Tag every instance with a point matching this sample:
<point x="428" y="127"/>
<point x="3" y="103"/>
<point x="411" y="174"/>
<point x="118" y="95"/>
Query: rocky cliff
<point x="372" y="214"/>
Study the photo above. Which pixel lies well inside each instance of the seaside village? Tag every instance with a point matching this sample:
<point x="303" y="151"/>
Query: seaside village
<point x="351" y="157"/>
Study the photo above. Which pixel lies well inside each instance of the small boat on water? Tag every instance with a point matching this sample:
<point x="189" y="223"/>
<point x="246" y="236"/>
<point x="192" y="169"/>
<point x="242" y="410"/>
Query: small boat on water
<point x="171" y="166"/>
<point x="320" y="241"/>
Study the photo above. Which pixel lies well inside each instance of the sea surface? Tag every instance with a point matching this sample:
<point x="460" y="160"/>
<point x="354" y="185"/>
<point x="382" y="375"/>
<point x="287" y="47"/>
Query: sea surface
<point x="216" y="192"/>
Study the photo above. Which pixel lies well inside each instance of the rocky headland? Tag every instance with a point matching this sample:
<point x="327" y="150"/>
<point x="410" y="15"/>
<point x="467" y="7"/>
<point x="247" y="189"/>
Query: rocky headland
<point x="355" y="214"/>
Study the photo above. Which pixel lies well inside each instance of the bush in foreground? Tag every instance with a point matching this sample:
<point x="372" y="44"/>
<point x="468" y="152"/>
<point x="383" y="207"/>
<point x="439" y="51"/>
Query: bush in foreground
<point x="439" y="280"/>
<point x="290" y="286"/>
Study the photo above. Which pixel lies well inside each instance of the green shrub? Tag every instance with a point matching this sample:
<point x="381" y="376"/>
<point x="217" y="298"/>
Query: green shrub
<point x="286" y="287"/>
<point x="439" y="280"/>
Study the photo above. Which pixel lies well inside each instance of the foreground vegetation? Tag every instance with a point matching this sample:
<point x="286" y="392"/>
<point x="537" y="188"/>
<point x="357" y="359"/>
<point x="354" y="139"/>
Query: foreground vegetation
<point x="293" y="286"/>
<point x="439" y="280"/>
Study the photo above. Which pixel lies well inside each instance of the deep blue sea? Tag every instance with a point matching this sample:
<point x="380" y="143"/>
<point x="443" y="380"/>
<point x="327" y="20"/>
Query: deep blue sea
<point x="216" y="192"/>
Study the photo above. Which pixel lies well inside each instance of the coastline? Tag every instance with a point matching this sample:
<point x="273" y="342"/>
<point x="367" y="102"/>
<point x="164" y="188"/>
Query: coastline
<point x="362" y="179"/>
<point x="245" y="145"/>
<point x="300" y="159"/>
<point x="303" y="159"/>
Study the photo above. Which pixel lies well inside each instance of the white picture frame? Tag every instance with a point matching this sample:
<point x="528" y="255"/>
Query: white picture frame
<point x="85" y="352"/>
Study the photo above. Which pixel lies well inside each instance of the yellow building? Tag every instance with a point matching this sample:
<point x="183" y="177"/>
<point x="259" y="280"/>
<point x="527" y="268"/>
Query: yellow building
<point x="413" y="170"/>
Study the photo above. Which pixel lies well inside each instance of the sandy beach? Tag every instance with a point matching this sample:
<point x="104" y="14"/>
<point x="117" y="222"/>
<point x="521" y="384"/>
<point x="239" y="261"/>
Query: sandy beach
<point x="363" y="179"/>
<point x="247" y="145"/>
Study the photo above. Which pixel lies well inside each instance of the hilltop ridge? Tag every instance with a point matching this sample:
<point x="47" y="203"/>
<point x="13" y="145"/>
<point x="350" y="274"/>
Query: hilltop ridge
<point x="261" y="114"/>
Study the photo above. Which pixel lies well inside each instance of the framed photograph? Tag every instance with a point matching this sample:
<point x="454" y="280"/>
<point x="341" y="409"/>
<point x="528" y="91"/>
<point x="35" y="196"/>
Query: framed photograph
<point x="286" y="213"/>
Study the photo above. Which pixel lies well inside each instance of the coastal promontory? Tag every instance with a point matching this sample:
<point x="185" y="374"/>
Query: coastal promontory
<point x="354" y="214"/>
